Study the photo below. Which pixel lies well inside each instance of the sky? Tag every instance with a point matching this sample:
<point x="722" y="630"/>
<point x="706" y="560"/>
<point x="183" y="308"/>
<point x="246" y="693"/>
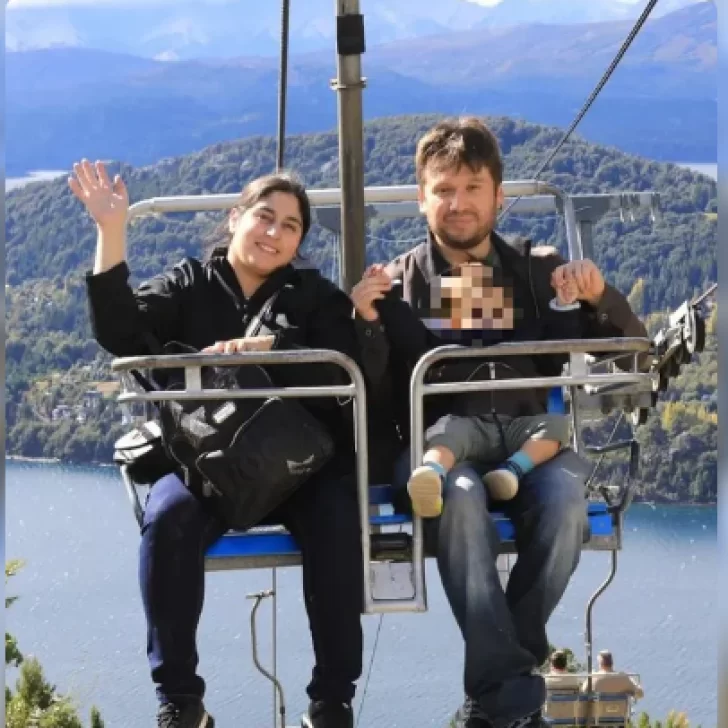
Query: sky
<point x="67" y="3"/>
<point x="60" y="3"/>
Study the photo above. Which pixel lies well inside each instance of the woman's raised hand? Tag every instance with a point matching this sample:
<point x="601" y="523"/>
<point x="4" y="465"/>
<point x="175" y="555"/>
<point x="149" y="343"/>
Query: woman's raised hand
<point x="107" y="202"/>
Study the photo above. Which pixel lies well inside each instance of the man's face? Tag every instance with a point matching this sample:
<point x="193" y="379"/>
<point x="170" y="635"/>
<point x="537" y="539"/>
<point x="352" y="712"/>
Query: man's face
<point x="461" y="206"/>
<point x="472" y="300"/>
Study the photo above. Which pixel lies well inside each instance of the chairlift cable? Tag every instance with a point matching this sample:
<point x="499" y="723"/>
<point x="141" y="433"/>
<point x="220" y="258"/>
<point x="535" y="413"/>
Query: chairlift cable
<point x="588" y="483"/>
<point x="371" y="662"/>
<point x="369" y="671"/>
<point x="597" y="90"/>
<point x="282" y="85"/>
<point x="706" y="294"/>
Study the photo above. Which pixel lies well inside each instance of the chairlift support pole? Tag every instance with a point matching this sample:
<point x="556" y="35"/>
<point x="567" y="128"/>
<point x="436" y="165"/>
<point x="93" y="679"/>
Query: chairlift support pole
<point x="348" y="85"/>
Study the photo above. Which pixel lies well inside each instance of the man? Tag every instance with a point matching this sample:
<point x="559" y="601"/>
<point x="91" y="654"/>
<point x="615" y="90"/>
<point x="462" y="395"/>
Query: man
<point x="606" y="680"/>
<point x="559" y="677"/>
<point x="459" y="172"/>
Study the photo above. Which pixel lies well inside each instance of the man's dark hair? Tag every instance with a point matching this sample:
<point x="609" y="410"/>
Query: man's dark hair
<point x="559" y="660"/>
<point x="453" y="143"/>
<point x="606" y="658"/>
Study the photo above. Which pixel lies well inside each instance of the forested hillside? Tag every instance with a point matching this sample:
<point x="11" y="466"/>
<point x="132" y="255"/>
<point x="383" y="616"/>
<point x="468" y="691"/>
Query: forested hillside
<point x="57" y="405"/>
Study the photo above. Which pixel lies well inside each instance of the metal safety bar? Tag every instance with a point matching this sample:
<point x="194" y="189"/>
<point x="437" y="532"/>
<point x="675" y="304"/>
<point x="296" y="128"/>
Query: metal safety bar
<point x="418" y="390"/>
<point x="572" y="707"/>
<point x="588" y="209"/>
<point x="372" y="195"/>
<point x="193" y="364"/>
<point x="323" y="197"/>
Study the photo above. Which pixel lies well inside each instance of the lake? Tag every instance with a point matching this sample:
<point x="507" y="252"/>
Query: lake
<point x="80" y="613"/>
<point x="39" y="175"/>
<point x="710" y="170"/>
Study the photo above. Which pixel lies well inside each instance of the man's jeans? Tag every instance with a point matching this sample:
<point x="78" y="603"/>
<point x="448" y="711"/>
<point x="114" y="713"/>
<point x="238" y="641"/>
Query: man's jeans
<point x="505" y="633"/>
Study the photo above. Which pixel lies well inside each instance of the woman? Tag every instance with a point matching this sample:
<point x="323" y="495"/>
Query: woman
<point x="207" y="306"/>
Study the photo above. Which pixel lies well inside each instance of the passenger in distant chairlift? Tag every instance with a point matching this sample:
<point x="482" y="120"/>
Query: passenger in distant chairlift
<point x="559" y="677"/>
<point x="207" y="306"/>
<point x="459" y="172"/>
<point x="606" y="680"/>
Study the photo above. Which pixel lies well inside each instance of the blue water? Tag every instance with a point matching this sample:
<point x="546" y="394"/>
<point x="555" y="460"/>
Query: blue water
<point x="79" y="612"/>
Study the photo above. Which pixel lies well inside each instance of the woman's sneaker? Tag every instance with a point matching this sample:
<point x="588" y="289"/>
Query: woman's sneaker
<point x="327" y="714"/>
<point x="190" y="714"/>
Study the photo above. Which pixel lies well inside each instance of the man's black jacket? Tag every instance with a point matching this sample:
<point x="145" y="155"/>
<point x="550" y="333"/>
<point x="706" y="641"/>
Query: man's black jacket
<point x="401" y="338"/>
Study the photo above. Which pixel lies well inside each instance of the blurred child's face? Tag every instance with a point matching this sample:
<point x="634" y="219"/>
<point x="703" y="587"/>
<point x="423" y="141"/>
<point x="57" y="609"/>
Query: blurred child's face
<point x="472" y="299"/>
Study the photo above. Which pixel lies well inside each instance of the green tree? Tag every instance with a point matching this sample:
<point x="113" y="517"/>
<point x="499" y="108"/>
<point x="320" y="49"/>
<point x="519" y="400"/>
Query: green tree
<point x="673" y="720"/>
<point x="13" y="656"/>
<point x="35" y="702"/>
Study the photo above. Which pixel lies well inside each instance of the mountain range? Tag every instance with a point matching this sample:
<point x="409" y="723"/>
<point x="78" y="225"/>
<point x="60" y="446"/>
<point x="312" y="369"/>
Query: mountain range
<point x="228" y="28"/>
<point x="63" y="103"/>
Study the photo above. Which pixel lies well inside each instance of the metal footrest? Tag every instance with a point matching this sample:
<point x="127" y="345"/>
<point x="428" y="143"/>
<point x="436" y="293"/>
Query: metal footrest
<point x="392" y="581"/>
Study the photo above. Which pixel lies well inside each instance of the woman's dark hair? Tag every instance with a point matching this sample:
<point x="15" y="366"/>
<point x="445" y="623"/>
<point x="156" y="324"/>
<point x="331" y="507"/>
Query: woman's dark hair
<point x="257" y="190"/>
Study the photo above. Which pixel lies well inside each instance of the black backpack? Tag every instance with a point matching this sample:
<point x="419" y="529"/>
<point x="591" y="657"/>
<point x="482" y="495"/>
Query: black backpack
<point x="245" y="456"/>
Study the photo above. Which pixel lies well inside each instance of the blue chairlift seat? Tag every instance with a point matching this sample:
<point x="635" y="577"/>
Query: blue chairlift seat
<point x="259" y="548"/>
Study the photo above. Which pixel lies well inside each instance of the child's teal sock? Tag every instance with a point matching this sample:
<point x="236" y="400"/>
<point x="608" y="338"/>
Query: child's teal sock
<point x="519" y="464"/>
<point x="438" y="468"/>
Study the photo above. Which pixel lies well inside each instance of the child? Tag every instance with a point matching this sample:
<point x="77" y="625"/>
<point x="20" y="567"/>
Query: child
<point x="525" y="441"/>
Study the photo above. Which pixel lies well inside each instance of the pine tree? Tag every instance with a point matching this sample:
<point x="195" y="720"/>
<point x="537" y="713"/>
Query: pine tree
<point x="35" y="702"/>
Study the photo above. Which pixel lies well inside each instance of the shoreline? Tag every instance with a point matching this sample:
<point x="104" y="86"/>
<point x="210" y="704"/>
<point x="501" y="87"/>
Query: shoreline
<point x="58" y="461"/>
<point x="24" y="459"/>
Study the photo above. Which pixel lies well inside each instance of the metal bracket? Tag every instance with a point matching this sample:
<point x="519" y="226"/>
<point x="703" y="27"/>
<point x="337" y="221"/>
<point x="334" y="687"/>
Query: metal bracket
<point x="350" y="33"/>
<point x="329" y="217"/>
<point x="336" y="85"/>
<point x="259" y="596"/>
<point x="392" y="580"/>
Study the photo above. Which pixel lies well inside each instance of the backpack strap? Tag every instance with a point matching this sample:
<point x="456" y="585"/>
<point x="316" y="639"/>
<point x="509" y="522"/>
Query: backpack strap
<point x="255" y="324"/>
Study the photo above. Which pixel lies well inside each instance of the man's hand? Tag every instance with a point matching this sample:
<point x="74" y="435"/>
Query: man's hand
<point x="567" y="294"/>
<point x="235" y="346"/>
<point x="581" y="276"/>
<point x="372" y="287"/>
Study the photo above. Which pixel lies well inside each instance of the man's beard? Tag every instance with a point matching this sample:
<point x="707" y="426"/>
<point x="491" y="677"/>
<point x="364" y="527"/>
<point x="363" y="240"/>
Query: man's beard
<point x="465" y="243"/>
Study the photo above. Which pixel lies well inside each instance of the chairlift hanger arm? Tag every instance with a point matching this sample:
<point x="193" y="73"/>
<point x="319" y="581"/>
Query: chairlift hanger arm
<point x="330" y="196"/>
